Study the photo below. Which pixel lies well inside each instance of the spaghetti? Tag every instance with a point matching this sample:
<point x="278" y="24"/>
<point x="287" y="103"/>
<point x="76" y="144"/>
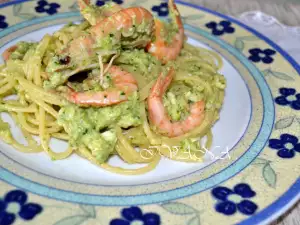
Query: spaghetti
<point x="37" y="109"/>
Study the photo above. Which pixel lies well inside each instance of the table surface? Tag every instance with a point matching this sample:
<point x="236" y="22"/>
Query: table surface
<point x="288" y="13"/>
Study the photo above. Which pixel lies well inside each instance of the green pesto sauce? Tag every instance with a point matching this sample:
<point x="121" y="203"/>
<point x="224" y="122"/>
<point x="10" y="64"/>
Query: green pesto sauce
<point x="139" y="62"/>
<point x="55" y="80"/>
<point x="190" y="144"/>
<point x="136" y="36"/>
<point x="5" y="133"/>
<point x="170" y="29"/>
<point x="109" y="42"/>
<point x="22" y="48"/>
<point x="137" y="137"/>
<point x="178" y="98"/>
<point x="92" y="83"/>
<point x="94" y="128"/>
<point x="93" y="13"/>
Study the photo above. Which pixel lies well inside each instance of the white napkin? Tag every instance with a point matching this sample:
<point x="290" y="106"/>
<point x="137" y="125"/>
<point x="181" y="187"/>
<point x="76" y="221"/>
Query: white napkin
<point x="288" y="38"/>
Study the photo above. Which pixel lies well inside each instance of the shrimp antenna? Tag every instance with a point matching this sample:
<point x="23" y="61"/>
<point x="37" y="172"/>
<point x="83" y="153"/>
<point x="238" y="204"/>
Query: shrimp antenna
<point x="110" y="63"/>
<point x="83" y="3"/>
<point x="102" y="71"/>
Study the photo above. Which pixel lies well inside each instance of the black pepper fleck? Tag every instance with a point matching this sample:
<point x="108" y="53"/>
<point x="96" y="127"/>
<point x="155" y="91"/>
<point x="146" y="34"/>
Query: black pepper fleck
<point x="64" y="61"/>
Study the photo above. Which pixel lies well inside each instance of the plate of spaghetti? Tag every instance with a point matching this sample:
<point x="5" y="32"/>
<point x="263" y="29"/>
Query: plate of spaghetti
<point x="166" y="112"/>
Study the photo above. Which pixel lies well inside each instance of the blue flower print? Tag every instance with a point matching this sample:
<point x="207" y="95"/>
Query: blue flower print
<point x="162" y="9"/>
<point x="231" y="201"/>
<point x="258" y="55"/>
<point x="221" y="28"/>
<point x="44" y="6"/>
<point x="102" y="2"/>
<point x="3" y="24"/>
<point x="288" y="97"/>
<point x="135" y="214"/>
<point x="15" y="202"/>
<point x="287" y="146"/>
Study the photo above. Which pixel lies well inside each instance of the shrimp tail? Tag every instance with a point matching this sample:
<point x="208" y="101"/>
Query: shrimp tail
<point x="83" y="4"/>
<point x="173" y="8"/>
<point x="163" y="49"/>
<point x="6" y="54"/>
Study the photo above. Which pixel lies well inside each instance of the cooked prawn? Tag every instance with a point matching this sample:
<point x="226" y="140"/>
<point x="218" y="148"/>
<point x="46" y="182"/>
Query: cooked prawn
<point x="124" y="85"/>
<point x="6" y="54"/>
<point x="125" y="22"/>
<point x="160" y="48"/>
<point x="135" y="24"/>
<point x="95" y="14"/>
<point x="159" y="117"/>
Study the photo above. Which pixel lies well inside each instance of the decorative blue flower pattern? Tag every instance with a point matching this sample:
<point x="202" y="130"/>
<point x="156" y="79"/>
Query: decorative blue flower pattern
<point x="231" y="201"/>
<point x="287" y="146"/>
<point x="221" y="28"/>
<point x="17" y="199"/>
<point x="102" y="2"/>
<point x="135" y="214"/>
<point x="258" y="55"/>
<point x="45" y="7"/>
<point x="288" y="97"/>
<point x="3" y="24"/>
<point x="162" y="9"/>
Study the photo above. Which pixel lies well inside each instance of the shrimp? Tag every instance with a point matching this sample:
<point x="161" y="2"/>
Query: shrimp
<point x="94" y="14"/>
<point x="135" y="25"/>
<point x="6" y="54"/>
<point x="128" y="28"/>
<point x="124" y="84"/>
<point x="126" y="22"/>
<point x="160" y="48"/>
<point x="159" y="117"/>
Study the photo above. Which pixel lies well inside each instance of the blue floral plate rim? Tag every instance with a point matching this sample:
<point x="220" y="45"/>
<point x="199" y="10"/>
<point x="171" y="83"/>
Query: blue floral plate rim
<point x="290" y="197"/>
<point x="248" y="156"/>
<point x="284" y="202"/>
